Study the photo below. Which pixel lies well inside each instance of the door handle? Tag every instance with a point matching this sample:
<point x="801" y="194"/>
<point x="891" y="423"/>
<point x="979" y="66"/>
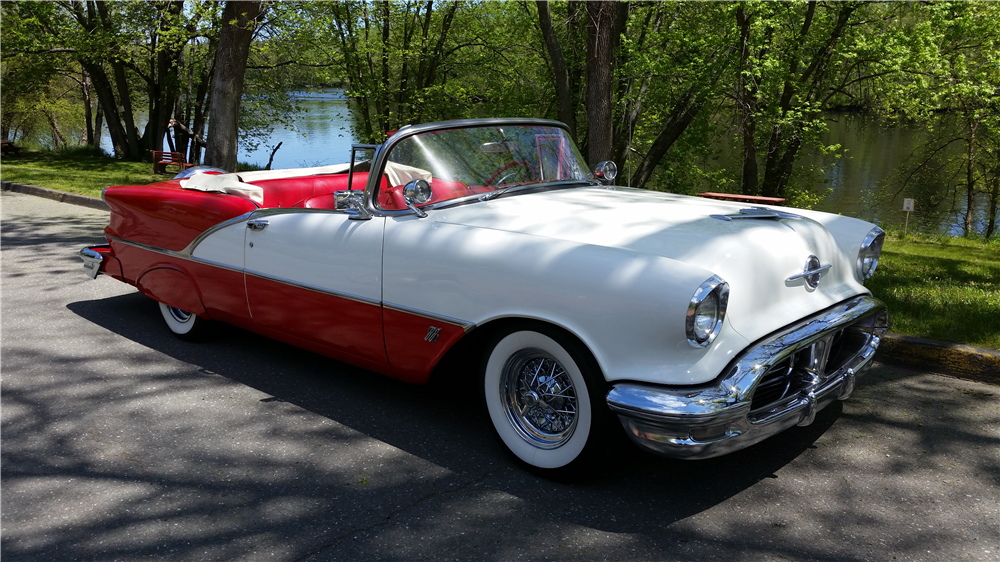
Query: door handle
<point x="257" y="224"/>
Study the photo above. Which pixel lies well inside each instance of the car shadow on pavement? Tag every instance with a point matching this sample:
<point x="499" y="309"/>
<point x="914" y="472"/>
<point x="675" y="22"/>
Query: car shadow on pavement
<point x="445" y="426"/>
<point x="301" y="454"/>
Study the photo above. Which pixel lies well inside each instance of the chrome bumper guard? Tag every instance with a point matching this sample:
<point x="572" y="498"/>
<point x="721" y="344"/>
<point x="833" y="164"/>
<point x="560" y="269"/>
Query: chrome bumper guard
<point x="92" y="259"/>
<point x="822" y="355"/>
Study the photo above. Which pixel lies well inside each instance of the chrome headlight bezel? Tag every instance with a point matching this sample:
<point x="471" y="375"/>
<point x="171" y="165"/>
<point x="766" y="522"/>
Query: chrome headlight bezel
<point x="869" y="254"/>
<point x="712" y="291"/>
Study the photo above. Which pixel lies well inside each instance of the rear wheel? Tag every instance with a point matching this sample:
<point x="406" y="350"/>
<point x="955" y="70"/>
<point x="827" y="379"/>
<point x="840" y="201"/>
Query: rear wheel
<point x="545" y="397"/>
<point x="184" y="324"/>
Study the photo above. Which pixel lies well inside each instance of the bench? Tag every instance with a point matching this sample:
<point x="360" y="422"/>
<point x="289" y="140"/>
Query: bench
<point x="162" y="159"/>
<point x="8" y="147"/>
<point x="744" y="198"/>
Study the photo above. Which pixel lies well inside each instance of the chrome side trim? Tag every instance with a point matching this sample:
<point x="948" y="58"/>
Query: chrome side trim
<point x="184" y="254"/>
<point x="290" y="283"/>
<point x="172" y="253"/>
<point x="467" y="326"/>
<point x="714" y="419"/>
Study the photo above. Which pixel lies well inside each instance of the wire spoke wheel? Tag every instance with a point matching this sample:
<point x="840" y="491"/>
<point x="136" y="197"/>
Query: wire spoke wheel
<point x="544" y="394"/>
<point x="539" y="398"/>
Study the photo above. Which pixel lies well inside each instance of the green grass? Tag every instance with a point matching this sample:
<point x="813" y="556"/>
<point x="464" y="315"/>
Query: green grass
<point x="81" y="170"/>
<point x="941" y="288"/>
<point x="78" y="170"/>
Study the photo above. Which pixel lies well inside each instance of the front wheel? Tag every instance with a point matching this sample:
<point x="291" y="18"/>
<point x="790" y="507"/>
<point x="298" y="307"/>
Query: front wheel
<point x="184" y="324"/>
<point x="545" y="397"/>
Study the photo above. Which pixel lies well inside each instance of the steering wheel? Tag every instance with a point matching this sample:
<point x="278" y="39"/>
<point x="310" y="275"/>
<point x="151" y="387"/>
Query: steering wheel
<point x="506" y="167"/>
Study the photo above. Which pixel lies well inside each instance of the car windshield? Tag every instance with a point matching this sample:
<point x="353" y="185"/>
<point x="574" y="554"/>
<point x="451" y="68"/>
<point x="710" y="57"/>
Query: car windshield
<point x="469" y="161"/>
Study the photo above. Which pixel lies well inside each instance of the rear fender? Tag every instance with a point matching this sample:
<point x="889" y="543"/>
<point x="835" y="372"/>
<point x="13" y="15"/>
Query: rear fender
<point x="172" y="287"/>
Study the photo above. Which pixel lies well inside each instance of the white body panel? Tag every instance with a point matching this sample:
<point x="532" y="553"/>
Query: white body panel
<point x="224" y="246"/>
<point x="319" y="250"/>
<point x="618" y="268"/>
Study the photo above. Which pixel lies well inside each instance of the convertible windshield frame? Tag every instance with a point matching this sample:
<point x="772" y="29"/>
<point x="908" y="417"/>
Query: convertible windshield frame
<point x="382" y="158"/>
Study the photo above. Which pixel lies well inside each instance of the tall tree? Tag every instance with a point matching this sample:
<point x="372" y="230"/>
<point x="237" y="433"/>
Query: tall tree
<point x="239" y="20"/>
<point x="605" y="21"/>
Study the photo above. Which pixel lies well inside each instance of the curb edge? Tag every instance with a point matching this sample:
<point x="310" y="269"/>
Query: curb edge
<point x="958" y="360"/>
<point x="61" y="196"/>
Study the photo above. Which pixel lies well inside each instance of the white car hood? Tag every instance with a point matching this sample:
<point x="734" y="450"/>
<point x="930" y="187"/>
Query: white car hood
<point x="755" y="256"/>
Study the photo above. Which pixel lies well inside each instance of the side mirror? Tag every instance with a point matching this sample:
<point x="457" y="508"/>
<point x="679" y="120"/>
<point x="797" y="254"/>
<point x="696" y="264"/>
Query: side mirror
<point x="352" y="203"/>
<point x="417" y="192"/>
<point x="606" y="171"/>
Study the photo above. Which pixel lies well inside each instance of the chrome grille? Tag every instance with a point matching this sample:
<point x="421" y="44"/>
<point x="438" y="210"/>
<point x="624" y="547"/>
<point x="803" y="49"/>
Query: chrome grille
<point x="808" y="367"/>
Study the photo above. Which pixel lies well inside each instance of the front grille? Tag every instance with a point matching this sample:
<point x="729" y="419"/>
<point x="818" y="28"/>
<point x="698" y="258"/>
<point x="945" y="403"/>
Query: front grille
<point x="796" y="374"/>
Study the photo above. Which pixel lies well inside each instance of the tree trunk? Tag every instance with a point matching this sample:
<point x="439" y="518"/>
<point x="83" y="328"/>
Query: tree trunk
<point x="57" y="139"/>
<point x="106" y="100"/>
<point x="994" y="202"/>
<point x="680" y="117"/>
<point x="238" y="22"/>
<point x="970" y="180"/>
<point x="567" y="111"/>
<point x="88" y="110"/>
<point x="98" y="124"/>
<point x="601" y="45"/>
<point x="746" y="91"/>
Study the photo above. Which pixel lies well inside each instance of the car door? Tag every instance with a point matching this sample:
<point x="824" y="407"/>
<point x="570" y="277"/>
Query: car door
<point x="317" y="275"/>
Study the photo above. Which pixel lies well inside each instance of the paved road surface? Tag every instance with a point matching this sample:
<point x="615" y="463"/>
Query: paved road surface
<point x="120" y="442"/>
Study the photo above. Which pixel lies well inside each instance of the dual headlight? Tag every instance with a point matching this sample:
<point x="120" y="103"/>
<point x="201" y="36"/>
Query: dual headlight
<point x="871" y="249"/>
<point x="706" y="312"/>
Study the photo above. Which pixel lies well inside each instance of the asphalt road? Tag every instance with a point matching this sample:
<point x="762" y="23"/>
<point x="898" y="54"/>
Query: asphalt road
<point x="120" y="442"/>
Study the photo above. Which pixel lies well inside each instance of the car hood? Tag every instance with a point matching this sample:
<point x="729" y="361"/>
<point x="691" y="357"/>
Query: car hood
<point x="755" y="256"/>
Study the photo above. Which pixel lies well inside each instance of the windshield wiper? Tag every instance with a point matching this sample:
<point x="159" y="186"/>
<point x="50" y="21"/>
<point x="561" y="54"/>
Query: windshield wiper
<point x="497" y="193"/>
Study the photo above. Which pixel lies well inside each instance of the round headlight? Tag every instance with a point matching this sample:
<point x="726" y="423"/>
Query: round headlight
<point x="868" y="257"/>
<point x="706" y="311"/>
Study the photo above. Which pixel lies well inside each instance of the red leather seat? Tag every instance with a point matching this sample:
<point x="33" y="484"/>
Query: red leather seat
<point x="292" y="192"/>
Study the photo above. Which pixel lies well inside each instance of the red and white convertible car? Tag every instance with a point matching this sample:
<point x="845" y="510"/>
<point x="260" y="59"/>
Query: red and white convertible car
<point x="702" y="326"/>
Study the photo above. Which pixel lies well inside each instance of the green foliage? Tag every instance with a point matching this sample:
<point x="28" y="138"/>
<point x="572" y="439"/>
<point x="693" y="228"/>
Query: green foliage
<point x="941" y="288"/>
<point x="83" y="170"/>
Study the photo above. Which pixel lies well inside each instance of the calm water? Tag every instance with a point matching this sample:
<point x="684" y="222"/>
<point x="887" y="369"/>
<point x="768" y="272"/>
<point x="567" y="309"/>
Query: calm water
<point x="865" y="182"/>
<point x="321" y="136"/>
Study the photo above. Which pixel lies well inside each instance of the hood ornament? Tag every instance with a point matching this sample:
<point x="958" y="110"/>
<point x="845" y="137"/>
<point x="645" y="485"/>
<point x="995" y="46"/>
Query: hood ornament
<point x="758" y="213"/>
<point x="811" y="273"/>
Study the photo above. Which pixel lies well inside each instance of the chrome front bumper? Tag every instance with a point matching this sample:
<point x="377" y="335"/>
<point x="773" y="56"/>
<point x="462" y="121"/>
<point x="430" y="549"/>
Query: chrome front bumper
<point x="823" y="354"/>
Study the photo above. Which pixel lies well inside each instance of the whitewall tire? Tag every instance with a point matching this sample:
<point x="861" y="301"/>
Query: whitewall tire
<point x="545" y="398"/>
<point x="184" y="324"/>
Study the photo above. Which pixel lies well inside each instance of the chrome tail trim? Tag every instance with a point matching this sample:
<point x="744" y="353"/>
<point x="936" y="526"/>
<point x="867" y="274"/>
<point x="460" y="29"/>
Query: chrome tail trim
<point x="92" y="259"/>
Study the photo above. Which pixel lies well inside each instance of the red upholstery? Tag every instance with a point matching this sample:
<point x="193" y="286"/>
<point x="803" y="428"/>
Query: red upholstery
<point x="328" y="200"/>
<point x="292" y="192"/>
<point x="391" y="198"/>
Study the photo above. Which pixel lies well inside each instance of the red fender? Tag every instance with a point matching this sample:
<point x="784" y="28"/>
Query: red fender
<point x="172" y="287"/>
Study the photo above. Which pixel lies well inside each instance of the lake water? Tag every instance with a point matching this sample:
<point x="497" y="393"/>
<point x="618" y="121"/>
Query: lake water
<point x="321" y="135"/>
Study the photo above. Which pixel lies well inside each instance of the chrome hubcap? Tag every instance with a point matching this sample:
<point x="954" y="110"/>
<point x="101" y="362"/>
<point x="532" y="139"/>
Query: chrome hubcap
<point x="539" y="398"/>
<point x="179" y="315"/>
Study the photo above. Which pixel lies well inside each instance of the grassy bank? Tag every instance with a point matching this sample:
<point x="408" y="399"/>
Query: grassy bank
<point x="942" y="288"/>
<point x="78" y="170"/>
<point x="936" y="287"/>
